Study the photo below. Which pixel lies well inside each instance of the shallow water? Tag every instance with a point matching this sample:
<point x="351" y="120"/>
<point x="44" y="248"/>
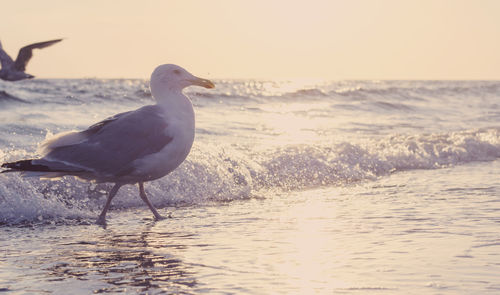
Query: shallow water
<point x="346" y="187"/>
<point x="414" y="232"/>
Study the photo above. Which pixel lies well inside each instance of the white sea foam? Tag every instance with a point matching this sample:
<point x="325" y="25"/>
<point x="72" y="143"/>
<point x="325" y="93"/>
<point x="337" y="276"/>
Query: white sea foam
<point x="212" y="173"/>
<point x="255" y="136"/>
<point x="339" y="186"/>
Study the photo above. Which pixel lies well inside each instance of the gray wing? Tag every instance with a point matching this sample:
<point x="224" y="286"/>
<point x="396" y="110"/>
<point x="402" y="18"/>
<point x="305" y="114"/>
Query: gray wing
<point x="5" y="59"/>
<point x="113" y="144"/>
<point x="98" y="126"/>
<point x="25" y="53"/>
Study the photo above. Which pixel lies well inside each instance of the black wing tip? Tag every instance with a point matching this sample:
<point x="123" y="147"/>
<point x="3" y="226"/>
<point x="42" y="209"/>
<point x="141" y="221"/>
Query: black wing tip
<point x="56" y="40"/>
<point x="53" y="40"/>
<point x="7" y="165"/>
<point x="25" y="165"/>
<point x="42" y="44"/>
<point x="50" y="41"/>
<point x="16" y="165"/>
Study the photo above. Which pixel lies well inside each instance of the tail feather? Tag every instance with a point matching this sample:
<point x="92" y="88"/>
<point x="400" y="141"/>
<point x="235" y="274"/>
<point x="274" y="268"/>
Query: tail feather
<point x="42" y="166"/>
<point x="27" y="165"/>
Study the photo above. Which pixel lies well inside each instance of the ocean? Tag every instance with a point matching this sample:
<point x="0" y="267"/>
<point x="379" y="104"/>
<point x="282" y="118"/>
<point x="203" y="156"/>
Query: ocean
<point x="291" y="187"/>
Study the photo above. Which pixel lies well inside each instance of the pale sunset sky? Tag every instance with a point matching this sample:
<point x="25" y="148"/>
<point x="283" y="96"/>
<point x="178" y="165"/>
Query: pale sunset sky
<point x="264" y="39"/>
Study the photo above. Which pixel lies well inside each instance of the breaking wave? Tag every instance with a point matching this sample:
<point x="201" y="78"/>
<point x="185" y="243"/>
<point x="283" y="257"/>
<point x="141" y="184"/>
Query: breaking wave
<point x="215" y="174"/>
<point x="6" y="97"/>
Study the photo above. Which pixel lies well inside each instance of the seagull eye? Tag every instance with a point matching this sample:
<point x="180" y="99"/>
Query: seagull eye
<point x="177" y="72"/>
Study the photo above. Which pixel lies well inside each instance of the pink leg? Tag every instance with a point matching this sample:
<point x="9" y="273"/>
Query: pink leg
<point x="145" y="199"/>
<point x="102" y="218"/>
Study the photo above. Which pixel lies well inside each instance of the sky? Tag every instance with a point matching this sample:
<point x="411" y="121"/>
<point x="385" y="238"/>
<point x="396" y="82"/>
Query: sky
<point x="260" y="39"/>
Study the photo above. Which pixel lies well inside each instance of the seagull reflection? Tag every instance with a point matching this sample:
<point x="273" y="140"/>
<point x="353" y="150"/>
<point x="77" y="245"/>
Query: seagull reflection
<point x="126" y="261"/>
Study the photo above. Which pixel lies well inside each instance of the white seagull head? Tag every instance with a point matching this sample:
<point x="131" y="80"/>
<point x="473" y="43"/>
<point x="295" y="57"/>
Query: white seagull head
<point x="173" y="78"/>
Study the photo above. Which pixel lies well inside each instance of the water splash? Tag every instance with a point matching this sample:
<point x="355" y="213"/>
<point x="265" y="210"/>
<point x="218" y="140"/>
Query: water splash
<point x="215" y="174"/>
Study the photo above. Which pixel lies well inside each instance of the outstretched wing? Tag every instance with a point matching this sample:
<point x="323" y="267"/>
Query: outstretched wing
<point x="112" y="145"/>
<point x="5" y="59"/>
<point x="25" y="53"/>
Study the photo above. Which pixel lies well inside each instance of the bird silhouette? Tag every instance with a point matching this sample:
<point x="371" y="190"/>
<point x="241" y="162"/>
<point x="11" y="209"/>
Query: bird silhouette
<point x="14" y="70"/>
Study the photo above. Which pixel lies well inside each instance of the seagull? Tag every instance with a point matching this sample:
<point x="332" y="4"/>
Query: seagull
<point x="14" y="70"/>
<point x="127" y="148"/>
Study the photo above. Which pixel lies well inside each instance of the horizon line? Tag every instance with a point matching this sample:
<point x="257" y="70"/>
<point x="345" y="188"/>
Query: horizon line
<point x="281" y="79"/>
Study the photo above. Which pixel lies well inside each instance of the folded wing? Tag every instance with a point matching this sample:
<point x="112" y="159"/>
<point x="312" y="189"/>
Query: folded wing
<point x="109" y="148"/>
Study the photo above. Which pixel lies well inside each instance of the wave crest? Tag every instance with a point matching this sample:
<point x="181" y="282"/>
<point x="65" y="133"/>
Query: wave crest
<point x="212" y="173"/>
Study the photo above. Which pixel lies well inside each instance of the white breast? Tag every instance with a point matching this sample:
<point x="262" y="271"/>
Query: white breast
<point x="180" y="127"/>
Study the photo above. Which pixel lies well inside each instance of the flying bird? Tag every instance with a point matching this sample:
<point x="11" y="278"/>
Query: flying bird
<point x="14" y="70"/>
<point x="127" y="148"/>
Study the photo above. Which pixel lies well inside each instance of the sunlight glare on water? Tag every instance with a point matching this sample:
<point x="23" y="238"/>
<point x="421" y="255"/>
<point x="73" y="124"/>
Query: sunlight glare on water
<point x="304" y="261"/>
<point x="291" y="187"/>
